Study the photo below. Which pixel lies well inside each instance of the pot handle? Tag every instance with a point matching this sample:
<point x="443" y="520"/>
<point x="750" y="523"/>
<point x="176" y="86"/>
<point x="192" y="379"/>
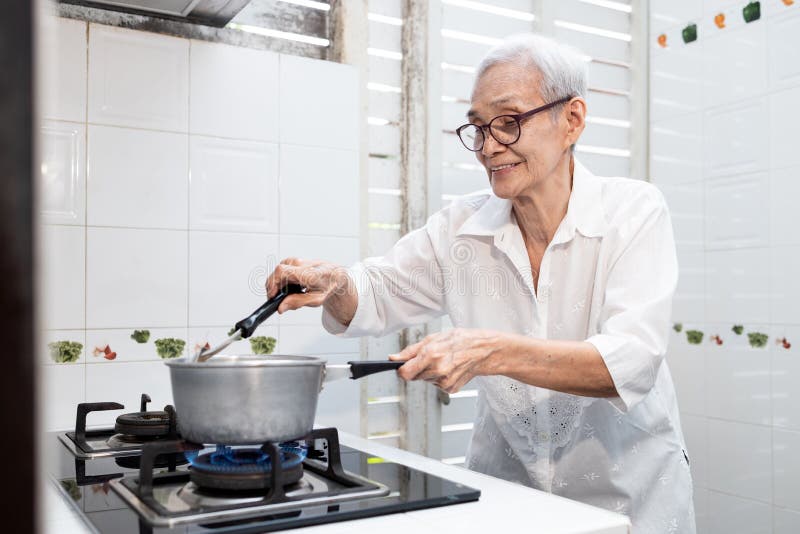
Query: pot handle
<point x="359" y="369"/>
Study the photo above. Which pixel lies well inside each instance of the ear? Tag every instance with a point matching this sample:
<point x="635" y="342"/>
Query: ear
<point x="575" y="114"/>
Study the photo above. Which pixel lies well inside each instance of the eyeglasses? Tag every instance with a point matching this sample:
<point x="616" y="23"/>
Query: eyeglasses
<point x="505" y="129"/>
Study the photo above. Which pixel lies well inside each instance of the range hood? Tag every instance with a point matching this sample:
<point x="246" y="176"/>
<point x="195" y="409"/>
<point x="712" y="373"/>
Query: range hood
<point x="209" y="12"/>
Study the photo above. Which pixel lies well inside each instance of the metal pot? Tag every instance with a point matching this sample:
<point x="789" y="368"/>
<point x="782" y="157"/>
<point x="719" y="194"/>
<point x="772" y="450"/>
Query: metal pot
<point x="254" y="399"/>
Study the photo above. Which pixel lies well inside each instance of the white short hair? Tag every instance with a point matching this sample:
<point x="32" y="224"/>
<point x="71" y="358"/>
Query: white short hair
<point x="563" y="69"/>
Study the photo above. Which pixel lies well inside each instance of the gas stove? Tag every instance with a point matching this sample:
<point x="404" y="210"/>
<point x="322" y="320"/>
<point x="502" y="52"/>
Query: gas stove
<point x="141" y="477"/>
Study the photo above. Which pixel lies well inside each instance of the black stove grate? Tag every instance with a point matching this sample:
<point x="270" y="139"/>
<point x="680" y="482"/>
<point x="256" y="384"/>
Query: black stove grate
<point x="156" y="425"/>
<point x="275" y="492"/>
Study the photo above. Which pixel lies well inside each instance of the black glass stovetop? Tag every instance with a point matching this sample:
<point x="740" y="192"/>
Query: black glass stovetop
<point x="89" y="484"/>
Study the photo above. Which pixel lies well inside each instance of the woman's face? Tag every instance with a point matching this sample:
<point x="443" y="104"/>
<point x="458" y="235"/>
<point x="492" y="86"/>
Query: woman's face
<point x="509" y="89"/>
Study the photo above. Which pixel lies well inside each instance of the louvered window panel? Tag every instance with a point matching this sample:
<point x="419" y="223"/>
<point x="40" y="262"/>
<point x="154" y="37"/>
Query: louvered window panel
<point x="384" y="93"/>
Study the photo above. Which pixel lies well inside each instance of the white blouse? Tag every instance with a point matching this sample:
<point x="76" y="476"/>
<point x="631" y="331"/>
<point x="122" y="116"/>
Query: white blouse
<point x="608" y="278"/>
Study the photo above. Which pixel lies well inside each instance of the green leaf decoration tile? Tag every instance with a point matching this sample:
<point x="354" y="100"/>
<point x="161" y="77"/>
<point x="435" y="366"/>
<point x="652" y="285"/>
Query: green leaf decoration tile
<point x="689" y="33"/>
<point x="752" y="11"/>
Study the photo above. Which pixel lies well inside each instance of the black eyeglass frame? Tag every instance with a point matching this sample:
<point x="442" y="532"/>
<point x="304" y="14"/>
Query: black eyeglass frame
<point x="518" y="118"/>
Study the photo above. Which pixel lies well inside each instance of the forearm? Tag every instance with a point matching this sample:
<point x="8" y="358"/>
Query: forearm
<point x="342" y="301"/>
<point x="574" y="367"/>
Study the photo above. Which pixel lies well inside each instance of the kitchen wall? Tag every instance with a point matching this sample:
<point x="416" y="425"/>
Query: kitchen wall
<point x="174" y="175"/>
<point x="724" y="119"/>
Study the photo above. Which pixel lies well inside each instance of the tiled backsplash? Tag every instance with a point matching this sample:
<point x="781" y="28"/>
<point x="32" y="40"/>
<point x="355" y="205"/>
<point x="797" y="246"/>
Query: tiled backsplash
<point x="724" y="151"/>
<point x="175" y="174"/>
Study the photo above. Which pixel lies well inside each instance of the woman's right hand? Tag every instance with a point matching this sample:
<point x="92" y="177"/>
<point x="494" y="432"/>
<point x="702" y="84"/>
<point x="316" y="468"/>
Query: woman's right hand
<point x="327" y="284"/>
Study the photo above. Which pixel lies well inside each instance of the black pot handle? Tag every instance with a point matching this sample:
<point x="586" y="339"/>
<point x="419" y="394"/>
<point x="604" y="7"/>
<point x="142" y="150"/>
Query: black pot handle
<point x="363" y="368"/>
<point x="249" y="324"/>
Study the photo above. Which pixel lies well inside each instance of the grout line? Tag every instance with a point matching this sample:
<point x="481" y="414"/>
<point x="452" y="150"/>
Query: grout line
<point x="768" y="156"/>
<point x="183" y="133"/>
<point x="189" y="191"/>
<point x="278" y="182"/>
<point x="276" y="142"/>
<point x="204" y="230"/>
<point x="729" y="494"/>
<point x="86" y="215"/>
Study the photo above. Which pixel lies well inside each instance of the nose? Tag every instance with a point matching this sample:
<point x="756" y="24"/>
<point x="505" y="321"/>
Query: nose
<point x="491" y="146"/>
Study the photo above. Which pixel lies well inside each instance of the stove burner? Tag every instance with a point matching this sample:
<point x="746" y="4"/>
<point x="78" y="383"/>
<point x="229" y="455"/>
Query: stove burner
<point x="131" y="433"/>
<point x="118" y="441"/>
<point x="245" y="469"/>
<point x="143" y="423"/>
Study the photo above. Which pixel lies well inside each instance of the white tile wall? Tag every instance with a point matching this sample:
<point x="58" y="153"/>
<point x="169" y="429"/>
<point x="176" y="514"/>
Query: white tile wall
<point x="784" y="187"/>
<point x="736" y="286"/>
<point x="310" y="116"/>
<point x="227" y="274"/>
<point x="735" y="140"/>
<point x="676" y="82"/>
<point x="165" y="208"/>
<point x="62" y="269"/>
<point x="723" y="119"/>
<point x="234" y="92"/>
<point x="138" y="79"/>
<point x="234" y="185"/>
<point x="785" y="445"/>
<point x="319" y="181"/>
<point x="727" y="513"/>
<point x="785" y="377"/>
<point x="135" y="278"/>
<point x="701" y="498"/>
<point x="785" y="521"/>
<point x="314" y="340"/>
<point x="783" y="38"/>
<point x="783" y="118"/>
<point x="62" y="178"/>
<point x="737" y="377"/>
<point x="726" y="56"/>
<point x="665" y="14"/>
<point x="64" y="82"/>
<point x="690" y="296"/>
<point x="686" y="205"/>
<point x="676" y="149"/>
<point x="687" y="364"/>
<point x="137" y="178"/>
<point x="65" y="388"/>
<point x="736" y="213"/>
<point x="740" y="459"/>
<point x="785" y="290"/>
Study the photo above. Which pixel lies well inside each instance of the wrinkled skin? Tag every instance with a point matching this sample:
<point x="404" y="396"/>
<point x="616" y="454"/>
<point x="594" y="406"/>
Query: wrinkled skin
<point x="449" y="359"/>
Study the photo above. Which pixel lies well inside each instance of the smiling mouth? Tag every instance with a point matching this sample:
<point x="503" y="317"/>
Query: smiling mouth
<point x="503" y="168"/>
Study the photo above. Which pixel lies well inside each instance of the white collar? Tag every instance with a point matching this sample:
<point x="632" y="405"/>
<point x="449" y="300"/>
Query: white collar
<point x="585" y="212"/>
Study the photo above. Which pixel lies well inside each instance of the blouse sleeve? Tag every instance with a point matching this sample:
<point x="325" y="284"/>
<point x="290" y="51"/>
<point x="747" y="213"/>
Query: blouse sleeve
<point x="634" y="319"/>
<point x="401" y="289"/>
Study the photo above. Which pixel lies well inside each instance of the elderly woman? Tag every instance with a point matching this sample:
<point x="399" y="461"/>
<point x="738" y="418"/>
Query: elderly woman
<point x="559" y="284"/>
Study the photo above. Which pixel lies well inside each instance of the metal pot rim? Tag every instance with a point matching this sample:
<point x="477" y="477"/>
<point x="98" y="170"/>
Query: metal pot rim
<point x="249" y="360"/>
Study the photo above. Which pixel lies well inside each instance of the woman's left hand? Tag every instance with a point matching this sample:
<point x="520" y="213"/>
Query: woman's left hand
<point x="450" y="359"/>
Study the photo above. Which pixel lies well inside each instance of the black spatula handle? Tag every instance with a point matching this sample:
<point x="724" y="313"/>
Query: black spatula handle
<point x="249" y="324"/>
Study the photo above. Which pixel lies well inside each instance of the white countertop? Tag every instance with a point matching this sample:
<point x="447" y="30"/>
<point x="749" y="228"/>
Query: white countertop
<point x="502" y="505"/>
